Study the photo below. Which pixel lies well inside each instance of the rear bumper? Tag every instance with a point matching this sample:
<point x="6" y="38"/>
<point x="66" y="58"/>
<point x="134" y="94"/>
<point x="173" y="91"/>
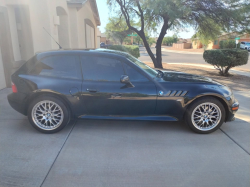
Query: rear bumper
<point x="232" y="111"/>
<point x="18" y="102"/>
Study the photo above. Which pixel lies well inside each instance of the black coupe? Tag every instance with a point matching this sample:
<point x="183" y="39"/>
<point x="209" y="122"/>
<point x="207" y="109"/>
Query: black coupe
<point x="54" y="87"/>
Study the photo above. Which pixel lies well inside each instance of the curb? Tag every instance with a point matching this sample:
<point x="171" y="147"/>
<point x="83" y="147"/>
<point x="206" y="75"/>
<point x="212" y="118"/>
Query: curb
<point x="182" y="52"/>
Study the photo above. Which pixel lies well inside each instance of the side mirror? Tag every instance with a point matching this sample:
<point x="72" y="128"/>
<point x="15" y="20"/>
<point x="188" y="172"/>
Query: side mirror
<point x="125" y="79"/>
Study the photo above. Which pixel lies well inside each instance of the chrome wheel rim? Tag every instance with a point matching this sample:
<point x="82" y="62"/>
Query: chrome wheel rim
<point x="206" y="116"/>
<point x="47" y="115"/>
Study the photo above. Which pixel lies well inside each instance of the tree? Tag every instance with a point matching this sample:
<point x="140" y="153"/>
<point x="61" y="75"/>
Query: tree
<point x="207" y="36"/>
<point x="117" y="29"/>
<point x="169" y="40"/>
<point x="137" y="39"/>
<point x="176" y="14"/>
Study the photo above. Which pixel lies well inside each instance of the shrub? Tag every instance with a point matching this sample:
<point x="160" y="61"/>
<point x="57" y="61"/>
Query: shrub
<point x="228" y="44"/>
<point x="131" y="49"/>
<point x="221" y="44"/>
<point x="225" y="59"/>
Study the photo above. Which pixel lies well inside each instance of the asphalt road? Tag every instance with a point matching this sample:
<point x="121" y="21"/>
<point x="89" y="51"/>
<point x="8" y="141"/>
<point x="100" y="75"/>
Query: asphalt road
<point x="109" y="153"/>
<point x="172" y="57"/>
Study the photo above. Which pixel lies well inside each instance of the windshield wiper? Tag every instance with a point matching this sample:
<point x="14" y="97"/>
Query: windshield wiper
<point x="160" y="73"/>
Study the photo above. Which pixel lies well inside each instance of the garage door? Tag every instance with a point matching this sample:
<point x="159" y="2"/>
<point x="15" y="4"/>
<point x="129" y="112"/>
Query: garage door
<point x="2" y="77"/>
<point x="90" y="36"/>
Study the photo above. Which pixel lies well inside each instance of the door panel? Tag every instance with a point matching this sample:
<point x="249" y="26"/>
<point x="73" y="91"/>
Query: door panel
<point x="115" y="98"/>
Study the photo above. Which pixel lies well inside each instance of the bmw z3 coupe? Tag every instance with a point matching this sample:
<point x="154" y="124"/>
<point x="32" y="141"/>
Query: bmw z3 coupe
<point x="54" y="87"/>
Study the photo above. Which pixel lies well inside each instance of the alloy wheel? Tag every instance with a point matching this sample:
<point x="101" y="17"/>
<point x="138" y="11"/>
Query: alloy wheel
<point x="47" y="115"/>
<point x="206" y="116"/>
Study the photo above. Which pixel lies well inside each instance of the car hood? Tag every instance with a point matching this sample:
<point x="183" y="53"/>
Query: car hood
<point x="175" y="76"/>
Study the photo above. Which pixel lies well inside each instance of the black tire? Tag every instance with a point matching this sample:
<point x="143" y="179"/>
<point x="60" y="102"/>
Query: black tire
<point x="196" y="103"/>
<point x="64" y="119"/>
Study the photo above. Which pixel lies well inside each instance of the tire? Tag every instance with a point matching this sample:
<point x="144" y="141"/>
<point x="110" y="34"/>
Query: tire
<point x="205" y="121"/>
<point x="48" y="114"/>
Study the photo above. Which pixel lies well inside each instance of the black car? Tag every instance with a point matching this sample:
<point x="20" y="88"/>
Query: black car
<point x="102" y="45"/>
<point x="56" y="86"/>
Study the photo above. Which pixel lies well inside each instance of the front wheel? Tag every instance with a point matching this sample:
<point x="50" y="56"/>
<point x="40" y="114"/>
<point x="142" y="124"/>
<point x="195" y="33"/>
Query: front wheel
<point x="48" y="114"/>
<point x="205" y="115"/>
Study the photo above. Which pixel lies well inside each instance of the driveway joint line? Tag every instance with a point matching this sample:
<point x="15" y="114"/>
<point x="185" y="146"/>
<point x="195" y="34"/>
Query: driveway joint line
<point x="2" y="89"/>
<point x="58" y="153"/>
<point x="235" y="142"/>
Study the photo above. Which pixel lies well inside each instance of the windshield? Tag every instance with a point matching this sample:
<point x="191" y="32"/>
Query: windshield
<point x="150" y="71"/>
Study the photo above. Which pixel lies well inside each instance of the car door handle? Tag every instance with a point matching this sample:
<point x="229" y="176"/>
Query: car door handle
<point x="91" y="90"/>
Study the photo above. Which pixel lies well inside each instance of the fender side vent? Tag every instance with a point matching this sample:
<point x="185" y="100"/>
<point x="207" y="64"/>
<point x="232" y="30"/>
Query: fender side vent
<point x="173" y="93"/>
<point x="184" y="93"/>
<point x="178" y="93"/>
<point x="168" y="93"/>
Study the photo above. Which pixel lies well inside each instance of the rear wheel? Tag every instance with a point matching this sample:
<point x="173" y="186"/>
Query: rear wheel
<point x="48" y="114"/>
<point x="205" y="115"/>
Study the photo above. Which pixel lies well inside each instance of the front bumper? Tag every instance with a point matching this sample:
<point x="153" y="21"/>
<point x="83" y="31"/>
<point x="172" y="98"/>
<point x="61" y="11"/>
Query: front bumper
<point x="17" y="102"/>
<point x="234" y="108"/>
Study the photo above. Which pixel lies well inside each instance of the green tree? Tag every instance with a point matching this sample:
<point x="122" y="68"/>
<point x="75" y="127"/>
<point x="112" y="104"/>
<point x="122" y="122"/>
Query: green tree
<point x="169" y="40"/>
<point x="117" y="29"/>
<point x="208" y="35"/>
<point x="137" y="39"/>
<point x="174" y="14"/>
<point x="150" y="41"/>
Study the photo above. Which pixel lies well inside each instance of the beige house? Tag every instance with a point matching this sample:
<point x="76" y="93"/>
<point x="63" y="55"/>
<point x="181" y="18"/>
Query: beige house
<point x="73" y="23"/>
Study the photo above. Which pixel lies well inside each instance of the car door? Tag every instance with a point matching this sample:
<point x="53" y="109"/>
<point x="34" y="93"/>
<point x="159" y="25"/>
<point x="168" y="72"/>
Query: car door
<point x="103" y="94"/>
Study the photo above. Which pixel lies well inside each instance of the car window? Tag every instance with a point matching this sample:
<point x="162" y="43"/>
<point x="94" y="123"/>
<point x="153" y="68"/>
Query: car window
<point x="150" y="71"/>
<point x="61" y="66"/>
<point x="242" y="42"/>
<point x="134" y="75"/>
<point x="101" y="69"/>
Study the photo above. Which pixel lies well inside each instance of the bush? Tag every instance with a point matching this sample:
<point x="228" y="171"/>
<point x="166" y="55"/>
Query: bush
<point x="228" y="44"/>
<point x="221" y="44"/>
<point x="131" y="49"/>
<point x="225" y="59"/>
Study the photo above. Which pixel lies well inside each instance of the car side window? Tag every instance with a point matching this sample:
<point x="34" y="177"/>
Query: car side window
<point x="61" y="66"/>
<point x="242" y="42"/>
<point x="134" y="75"/>
<point x="101" y="69"/>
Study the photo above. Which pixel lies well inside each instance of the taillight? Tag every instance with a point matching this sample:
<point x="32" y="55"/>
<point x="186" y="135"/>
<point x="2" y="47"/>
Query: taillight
<point x="14" y="89"/>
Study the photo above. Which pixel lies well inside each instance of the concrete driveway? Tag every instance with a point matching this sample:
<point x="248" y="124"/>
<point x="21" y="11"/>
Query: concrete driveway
<point x="124" y="153"/>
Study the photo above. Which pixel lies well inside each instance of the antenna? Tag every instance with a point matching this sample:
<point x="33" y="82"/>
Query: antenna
<point x="53" y="38"/>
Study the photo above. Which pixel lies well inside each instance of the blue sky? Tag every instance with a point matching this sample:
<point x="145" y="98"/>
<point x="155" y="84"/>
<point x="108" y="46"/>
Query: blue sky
<point x="105" y="13"/>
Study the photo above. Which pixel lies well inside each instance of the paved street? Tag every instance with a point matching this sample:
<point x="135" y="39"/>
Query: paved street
<point x="172" y="57"/>
<point x="123" y="153"/>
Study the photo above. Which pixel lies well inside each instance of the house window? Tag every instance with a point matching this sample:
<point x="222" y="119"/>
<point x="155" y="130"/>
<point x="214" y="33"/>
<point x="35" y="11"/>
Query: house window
<point x="215" y="42"/>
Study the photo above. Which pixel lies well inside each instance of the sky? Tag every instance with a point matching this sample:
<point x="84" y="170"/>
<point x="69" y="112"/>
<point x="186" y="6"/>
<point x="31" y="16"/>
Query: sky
<point x="105" y="13"/>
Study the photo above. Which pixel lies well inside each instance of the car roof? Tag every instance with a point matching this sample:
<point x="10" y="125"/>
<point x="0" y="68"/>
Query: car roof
<point x="98" y="51"/>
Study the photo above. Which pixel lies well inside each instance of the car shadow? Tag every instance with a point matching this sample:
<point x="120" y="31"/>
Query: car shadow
<point x="130" y="125"/>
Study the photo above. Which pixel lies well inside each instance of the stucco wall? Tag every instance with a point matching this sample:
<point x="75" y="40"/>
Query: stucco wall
<point x="196" y="44"/>
<point x="182" y="45"/>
